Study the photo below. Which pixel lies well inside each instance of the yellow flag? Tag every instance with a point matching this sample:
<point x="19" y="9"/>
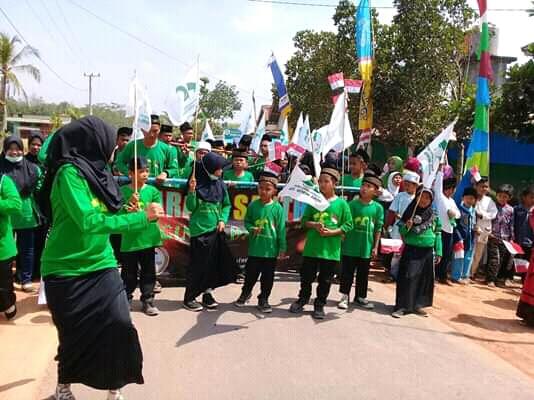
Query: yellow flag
<point x="365" y="121"/>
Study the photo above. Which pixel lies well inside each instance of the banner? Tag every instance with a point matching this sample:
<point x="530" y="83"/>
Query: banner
<point x="283" y="103"/>
<point x="365" y="54"/>
<point x="302" y="189"/>
<point x="182" y="104"/>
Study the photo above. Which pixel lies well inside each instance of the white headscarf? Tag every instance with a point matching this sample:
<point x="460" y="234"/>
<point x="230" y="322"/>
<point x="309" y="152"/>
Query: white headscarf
<point x="394" y="190"/>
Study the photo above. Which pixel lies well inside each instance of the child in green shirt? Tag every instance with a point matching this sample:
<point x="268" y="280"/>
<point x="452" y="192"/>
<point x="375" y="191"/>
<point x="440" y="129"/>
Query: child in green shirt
<point x="361" y="243"/>
<point x="322" y="250"/>
<point x="238" y="172"/>
<point x="357" y="164"/>
<point x="265" y="220"/>
<point x="139" y="248"/>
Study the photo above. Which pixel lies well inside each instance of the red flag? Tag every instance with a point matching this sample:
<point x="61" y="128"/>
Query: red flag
<point x="353" y="85"/>
<point x="336" y="81"/>
<point x="295" y="150"/>
<point x="273" y="168"/>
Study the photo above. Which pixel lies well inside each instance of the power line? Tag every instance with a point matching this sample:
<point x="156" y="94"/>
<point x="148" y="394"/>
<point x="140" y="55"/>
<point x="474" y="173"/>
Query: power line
<point x="39" y="57"/>
<point x="294" y="3"/>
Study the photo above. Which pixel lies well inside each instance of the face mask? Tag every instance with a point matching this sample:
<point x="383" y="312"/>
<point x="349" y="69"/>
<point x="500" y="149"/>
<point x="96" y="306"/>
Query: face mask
<point x="14" y="159"/>
<point x="213" y="177"/>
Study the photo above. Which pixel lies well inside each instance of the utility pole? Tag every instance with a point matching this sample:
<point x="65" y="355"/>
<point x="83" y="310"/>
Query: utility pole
<point x="91" y="76"/>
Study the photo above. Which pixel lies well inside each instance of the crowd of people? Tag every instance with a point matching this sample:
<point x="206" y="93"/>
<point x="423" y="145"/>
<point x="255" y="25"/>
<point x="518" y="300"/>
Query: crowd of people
<point x="64" y="192"/>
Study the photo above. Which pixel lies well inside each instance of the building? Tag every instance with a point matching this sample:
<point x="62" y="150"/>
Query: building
<point x="25" y="125"/>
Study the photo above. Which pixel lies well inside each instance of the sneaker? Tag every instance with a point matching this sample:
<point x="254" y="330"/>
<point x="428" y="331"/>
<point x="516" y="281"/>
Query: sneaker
<point x="11" y="312"/>
<point x="115" y="395"/>
<point x="363" y="303"/>
<point x="149" y="309"/>
<point x="63" y="392"/>
<point x="264" y="306"/>
<point x="297" y="306"/>
<point x="209" y="302"/>
<point x="318" y="311"/>
<point x="157" y="287"/>
<point x="344" y="302"/>
<point x="420" y="312"/>
<point x="242" y="300"/>
<point x="193" y="305"/>
<point x="398" y="314"/>
<point x="28" y="288"/>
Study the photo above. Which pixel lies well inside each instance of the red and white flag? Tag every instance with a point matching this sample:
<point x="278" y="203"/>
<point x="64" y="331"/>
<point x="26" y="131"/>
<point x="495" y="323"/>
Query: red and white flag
<point x="513" y="248"/>
<point x="389" y="246"/>
<point x="458" y="248"/>
<point x="273" y="168"/>
<point x="365" y="138"/>
<point x="353" y="85"/>
<point x="521" y="265"/>
<point x="295" y="150"/>
<point x="475" y="173"/>
<point x="336" y="81"/>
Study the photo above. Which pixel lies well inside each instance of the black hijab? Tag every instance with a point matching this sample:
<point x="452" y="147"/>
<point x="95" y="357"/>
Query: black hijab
<point x="208" y="189"/>
<point x="88" y="144"/>
<point x="423" y="217"/>
<point x="30" y="157"/>
<point x="24" y="173"/>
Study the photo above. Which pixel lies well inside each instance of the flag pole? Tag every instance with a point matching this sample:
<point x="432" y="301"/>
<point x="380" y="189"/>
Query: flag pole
<point x="196" y="118"/>
<point x="136" y="115"/>
<point x="343" y="136"/>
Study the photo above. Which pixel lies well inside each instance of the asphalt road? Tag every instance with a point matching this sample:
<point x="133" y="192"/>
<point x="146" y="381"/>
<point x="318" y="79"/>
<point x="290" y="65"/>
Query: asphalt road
<point x="239" y="354"/>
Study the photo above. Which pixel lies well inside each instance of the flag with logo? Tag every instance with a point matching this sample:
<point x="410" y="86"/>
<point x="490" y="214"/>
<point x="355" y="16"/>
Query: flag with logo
<point x="182" y="104"/>
<point x="207" y="133"/>
<point x="302" y="189"/>
<point x="139" y="108"/>
<point x="283" y="103"/>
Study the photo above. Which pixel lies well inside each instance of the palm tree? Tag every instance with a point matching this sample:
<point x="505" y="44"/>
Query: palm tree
<point x="10" y="66"/>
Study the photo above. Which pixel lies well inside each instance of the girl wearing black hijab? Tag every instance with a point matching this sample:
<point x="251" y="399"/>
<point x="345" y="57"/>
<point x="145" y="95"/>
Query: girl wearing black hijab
<point x="211" y="265"/>
<point x="25" y="222"/>
<point x="98" y="344"/>
<point x="420" y="229"/>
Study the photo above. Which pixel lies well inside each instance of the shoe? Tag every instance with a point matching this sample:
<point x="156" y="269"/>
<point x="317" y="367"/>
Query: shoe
<point x="149" y="309"/>
<point x="398" y="314"/>
<point x="491" y="284"/>
<point x="157" y="287"/>
<point x="297" y="306"/>
<point x="318" y="312"/>
<point x="28" y="288"/>
<point x="115" y="395"/>
<point x="420" y="312"/>
<point x="209" y="302"/>
<point x="344" y="302"/>
<point x="63" y="392"/>
<point x="363" y="303"/>
<point x="264" y="306"/>
<point x="444" y="282"/>
<point x="242" y="300"/>
<point x="11" y="312"/>
<point x="193" y="305"/>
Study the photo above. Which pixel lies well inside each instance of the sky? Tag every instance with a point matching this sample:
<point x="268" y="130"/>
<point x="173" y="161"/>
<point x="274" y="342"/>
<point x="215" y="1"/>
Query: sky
<point x="233" y="40"/>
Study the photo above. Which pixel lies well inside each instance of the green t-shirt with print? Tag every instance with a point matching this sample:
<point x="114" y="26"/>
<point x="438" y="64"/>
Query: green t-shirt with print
<point x="271" y="218"/>
<point x="367" y="220"/>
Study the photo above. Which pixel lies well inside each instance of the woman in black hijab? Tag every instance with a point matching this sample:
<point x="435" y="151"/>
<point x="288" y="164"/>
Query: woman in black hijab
<point x="25" y="222"/>
<point x="98" y="344"/>
<point x="420" y="229"/>
<point x="211" y="265"/>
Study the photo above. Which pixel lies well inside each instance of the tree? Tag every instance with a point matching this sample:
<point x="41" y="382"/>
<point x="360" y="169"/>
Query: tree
<point x="11" y="64"/>
<point x="514" y="110"/>
<point x="221" y="102"/>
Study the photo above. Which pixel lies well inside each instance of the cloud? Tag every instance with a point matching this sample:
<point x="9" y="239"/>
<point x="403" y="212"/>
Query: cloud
<point x="257" y="19"/>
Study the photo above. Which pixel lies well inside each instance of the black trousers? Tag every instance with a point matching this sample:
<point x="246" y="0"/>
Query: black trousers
<point x="361" y="267"/>
<point x="499" y="262"/>
<point x="7" y="292"/>
<point x="144" y="262"/>
<point x="443" y="266"/>
<point x="255" y="267"/>
<point x="311" y="269"/>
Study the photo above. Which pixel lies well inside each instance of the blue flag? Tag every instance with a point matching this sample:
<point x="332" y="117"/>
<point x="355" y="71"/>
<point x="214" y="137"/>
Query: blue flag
<point x="283" y="103"/>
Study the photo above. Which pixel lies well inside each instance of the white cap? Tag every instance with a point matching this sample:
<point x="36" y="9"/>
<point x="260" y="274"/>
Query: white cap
<point x="410" y="176"/>
<point x="203" y="146"/>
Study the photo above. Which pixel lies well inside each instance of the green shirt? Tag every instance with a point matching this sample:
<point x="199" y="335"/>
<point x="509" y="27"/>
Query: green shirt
<point x="43" y="153"/>
<point x="205" y="215"/>
<point x="10" y="203"/>
<point x="160" y="158"/>
<point x="271" y="241"/>
<point x="367" y="220"/>
<point x="256" y="166"/>
<point x="229" y="175"/>
<point x="348" y="180"/>
<point x="78" y="242"/>
<point x="337" y="215"/>
<point x="429" y="238"/>
<point x="27" y="217"/>
<point x="151" y="237"/>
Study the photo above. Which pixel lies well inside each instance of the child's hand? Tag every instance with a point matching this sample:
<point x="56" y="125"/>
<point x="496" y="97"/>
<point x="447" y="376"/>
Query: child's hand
<point x="450" y="214"/>
<point x="154" y="211"/>
<point x="220" y="226"/>
<point x="409" y="224"/>
<point x="437" y="260"/>
<point x="318" y="226"/>
<point x="325" y="232"/>
<point x="192" y="185"/>
<point x="161" y="178"/>
<point x="374" y="253"/>
<point x="133" y="203"/>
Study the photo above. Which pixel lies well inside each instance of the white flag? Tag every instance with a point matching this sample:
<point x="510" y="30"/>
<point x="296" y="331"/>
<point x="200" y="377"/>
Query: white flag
<point x="247" y="127"/>
<point x="339" y="131"/>
<point x="434" y="154"/>
<point x="207" y="134"/>
<point x="296" y="133"/>
<point x="301" y="188"/>
<point x="256" y="141"/>
<point x="182" y="103"/>
<point x="284" y="132"/>
<point x="317" y="139"/>
<point x="138" y="107"/>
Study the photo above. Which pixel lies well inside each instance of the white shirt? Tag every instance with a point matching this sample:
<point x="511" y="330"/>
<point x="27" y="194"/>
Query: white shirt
<point x="444" y="204"/>
<point x="486" y="210"/>
<point x="398" y="206"/>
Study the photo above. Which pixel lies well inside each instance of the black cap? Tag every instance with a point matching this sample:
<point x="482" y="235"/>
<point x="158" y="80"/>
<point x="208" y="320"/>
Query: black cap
<point x="141" y="163"/>
<point x="166" y="128"/>
<point x="267" y="176"/>
<point x="186" y="126"/>
<point x="218" y="143"/>
<point x="373" y="169"/>
<point x="124" y="131"/>
<point x="267" y="137"/>
<point x="154" y="119"/>
<point x="239" y="154"/>
<point x="470" y="191"/>
<point x="245" y="140"/>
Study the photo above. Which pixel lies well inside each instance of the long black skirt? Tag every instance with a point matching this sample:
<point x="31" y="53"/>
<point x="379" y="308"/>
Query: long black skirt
<point x="415" y="282"/>
<point x="212" y="264"/>
<point x="98" y="344"/>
